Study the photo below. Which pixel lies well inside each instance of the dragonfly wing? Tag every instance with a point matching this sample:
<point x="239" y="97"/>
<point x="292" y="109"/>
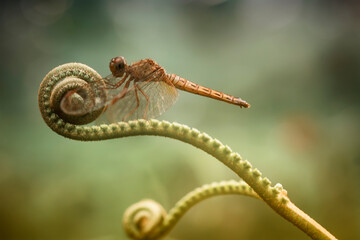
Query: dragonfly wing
<point x="161" y="95"/>
<point x="146" y="100"/>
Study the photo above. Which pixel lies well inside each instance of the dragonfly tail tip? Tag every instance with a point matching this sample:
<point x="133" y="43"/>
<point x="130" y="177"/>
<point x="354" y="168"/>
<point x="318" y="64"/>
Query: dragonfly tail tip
<point x="245" y="105"/>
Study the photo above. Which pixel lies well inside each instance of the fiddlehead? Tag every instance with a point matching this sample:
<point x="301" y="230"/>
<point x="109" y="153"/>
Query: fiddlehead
<point x="67" y="123"/>
<point x="70" y="91"/>
<point x="144" y="220"/>
<point x="148" y="220"/>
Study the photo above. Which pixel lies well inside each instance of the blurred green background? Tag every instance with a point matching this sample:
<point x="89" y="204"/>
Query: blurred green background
<point x="296" y="62"/>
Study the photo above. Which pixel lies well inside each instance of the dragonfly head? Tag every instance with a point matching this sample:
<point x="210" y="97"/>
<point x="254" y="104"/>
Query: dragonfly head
<point x="118" y="66"/>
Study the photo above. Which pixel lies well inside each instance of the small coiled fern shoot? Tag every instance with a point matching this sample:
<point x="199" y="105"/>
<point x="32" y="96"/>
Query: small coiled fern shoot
<point x="147" y="219"/>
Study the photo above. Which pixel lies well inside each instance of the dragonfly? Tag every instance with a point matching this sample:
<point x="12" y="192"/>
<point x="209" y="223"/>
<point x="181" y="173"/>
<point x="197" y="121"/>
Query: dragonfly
<point x="143" y="90"/>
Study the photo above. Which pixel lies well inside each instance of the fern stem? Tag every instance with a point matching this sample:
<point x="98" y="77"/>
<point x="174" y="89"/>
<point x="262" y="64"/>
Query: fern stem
<point x="68" y="126"/>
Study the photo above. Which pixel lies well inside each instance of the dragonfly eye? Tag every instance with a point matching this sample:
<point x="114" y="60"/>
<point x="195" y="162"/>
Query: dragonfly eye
<point x="117" y="66"/>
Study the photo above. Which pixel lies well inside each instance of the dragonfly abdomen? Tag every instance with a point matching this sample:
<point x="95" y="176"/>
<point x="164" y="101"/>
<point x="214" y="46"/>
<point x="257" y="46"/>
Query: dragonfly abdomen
<point x="186" y="85"/>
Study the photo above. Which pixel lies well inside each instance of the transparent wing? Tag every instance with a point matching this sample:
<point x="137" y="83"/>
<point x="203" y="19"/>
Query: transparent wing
<point x="144" y="100"/>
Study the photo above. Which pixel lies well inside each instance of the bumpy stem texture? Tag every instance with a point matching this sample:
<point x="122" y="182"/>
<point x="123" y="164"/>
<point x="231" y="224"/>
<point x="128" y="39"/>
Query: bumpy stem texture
<point x="148" y="220"/>
<point x="66" y="122"/>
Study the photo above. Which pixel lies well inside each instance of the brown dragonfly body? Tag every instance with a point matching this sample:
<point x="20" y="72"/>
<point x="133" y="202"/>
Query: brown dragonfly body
<point x="144" y="90"/>
<point x="186" y="85"/>
<point x="149" y="70"/>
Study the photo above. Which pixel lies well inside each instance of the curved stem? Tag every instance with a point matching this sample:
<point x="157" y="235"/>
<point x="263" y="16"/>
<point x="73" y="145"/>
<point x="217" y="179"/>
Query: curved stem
<point x="202" y="193"/>
<point x="275" y="197"/>
<point x="147" y="219"/>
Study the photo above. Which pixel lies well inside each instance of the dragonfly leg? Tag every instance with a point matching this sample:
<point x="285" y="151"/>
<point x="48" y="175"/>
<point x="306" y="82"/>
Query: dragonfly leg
<point x="147" y="100"/>
<point x="137" y="105"/>
<point x="122" y="93"/>
<point x="116" y="85"/>
<point x="119" y="83"/>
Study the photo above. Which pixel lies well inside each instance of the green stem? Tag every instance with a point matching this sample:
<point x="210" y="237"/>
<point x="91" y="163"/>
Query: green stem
<point x="148" y="220"/>
<point x="202" y="193"/>
<point x="275" y="196"/>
